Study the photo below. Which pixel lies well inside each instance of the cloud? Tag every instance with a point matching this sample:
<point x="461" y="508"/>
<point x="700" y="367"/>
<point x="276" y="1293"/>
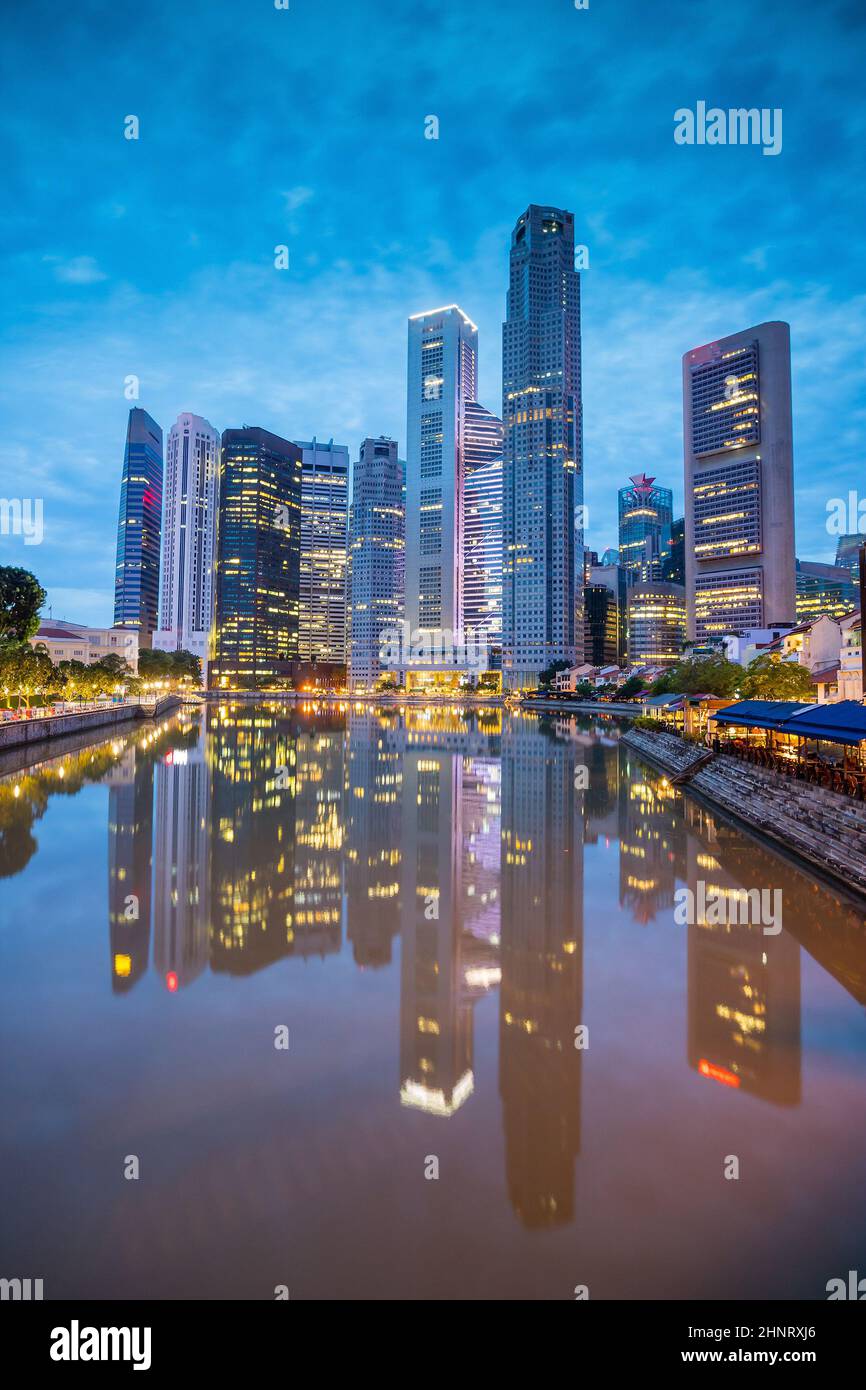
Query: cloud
<point x="81" y="270"/>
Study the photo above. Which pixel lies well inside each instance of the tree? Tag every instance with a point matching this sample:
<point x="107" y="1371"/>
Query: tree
<point x="585" y="689"/>
<point x="548" y="676"/>
<point x="702" y="675"/>
<point x="633" y="686"/>
<point x="21" y="597"/>
<point x="25" y="671"/>
<point x="169" y="666"/>
<point x="768" y="677"/>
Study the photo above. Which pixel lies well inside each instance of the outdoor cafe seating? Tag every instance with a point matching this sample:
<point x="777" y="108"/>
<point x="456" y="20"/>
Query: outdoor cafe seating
<point x="821" y="744"/>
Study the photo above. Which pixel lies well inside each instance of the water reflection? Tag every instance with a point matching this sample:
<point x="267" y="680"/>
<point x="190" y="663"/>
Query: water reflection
<point x="245" y="835"/>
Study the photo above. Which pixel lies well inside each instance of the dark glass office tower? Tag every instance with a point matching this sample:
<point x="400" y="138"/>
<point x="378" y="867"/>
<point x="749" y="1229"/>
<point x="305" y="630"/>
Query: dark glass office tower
<point x="139" y="529"/>
<point x="542" y="569"/>
<point x="645" y="526"/>
<point x="258" y="560"/>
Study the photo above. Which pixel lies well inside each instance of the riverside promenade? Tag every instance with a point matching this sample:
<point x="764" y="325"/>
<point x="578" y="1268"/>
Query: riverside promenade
<point x="18" y="733"/>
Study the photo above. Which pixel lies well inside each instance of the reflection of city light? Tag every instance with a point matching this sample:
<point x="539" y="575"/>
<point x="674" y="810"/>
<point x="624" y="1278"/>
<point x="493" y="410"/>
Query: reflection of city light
<point x="171" y="982"/>
<point x="122" y="966"/>
<point x="420" y="1097"/>
<point x="483" y="977"/>
<point x="720" y="1074"/>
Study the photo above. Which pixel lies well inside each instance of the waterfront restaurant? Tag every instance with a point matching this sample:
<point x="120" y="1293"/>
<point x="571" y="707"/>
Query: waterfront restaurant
<point x="824" y="744"/>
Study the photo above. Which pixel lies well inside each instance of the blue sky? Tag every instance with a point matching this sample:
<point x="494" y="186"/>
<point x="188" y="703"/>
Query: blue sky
<point x="305" y="127"/>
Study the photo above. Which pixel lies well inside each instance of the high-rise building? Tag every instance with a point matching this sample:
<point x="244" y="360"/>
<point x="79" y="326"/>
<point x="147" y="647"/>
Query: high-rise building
<point x="443" y="349"/>
<point x="482" y="558"/>
<point x="830" y="589"/>
<point x="848" y="552"/>
<point x="324" y="551"/>
<point x="139" y="526"/>
<point x="601" y="625"/>
<point x="482" y="437"/>
<point x="613" y="578"/>
<point x="674" y="563"/>
<point x="259" y="558"/>
<point x="739" y="483"/>
<point x="656" y="624"/>
<point x="542" y="567"/>
<point x="189" y="519"/>
<point x="645" y="522"/>
<point x="376" y="558"/>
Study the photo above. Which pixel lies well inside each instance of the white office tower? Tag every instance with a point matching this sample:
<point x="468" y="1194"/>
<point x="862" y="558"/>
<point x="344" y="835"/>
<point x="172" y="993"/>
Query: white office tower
<point x="189" y="515"/>
<point x="443" y="349"/>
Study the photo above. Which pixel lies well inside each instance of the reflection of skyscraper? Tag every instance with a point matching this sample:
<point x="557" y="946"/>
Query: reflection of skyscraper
<point x="652" y="839"/>
<point x="744" y="986"/>
<point x="253" y="763"/>
<point x="541" y="997"/>
<point x="319" y="835"/>
<point x="373" y="813"/>
<point x="130" y="822"/>
<point x="181" y="865"/>
<point x="139" y="527"/>
<point x="435" y="1016"/>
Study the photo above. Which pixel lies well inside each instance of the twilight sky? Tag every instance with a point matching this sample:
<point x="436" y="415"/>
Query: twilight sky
<point x="305" y="126"/>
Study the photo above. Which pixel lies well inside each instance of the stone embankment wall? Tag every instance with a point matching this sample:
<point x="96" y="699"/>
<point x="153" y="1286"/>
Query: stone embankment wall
<point x="20" y="732"/>
<point x="824" y="828"/>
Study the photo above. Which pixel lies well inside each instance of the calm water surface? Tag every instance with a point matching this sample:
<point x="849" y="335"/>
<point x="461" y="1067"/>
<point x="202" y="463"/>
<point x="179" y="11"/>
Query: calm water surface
<point x="431" y="904"/>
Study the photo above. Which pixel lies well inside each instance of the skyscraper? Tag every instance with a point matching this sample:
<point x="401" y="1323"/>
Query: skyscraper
<point x="656" y="624"/>
<point x="324" y="551"/>
<point x="443" y="347"/>
<point x="188" y="537"/>
<point x="645" y="521"/>
<point x="482" y="557"/>
<point x="739" y="483"/>
<point x="376" y="558"/>
<point x="542" y="578"/>
<point x="139" y="526"/>
<point x="259" y="558"/>
<point x="830" y="589"/>
<point x="482" y="437"/>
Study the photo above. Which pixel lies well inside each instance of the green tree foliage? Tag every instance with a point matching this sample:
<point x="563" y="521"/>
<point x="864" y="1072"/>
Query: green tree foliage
<point x="768" y="677"/>
<point x="26" y="672"/>
<point x="174" y="667"/>
<point x="633" y="686"/>
<point x="21" y="597"/>
<point x="547" y="677"/>
<point x="702" y="675"/>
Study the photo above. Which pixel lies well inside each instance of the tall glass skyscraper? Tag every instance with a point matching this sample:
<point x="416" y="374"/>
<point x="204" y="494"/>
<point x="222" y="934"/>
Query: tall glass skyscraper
<point x="645" y="521"/>
<point x="739" y="483"/>
<point x="542" y="569"/>
<point x="259" y="560"/>
<point x="482" y="437"/>
<point x="139" y="528"/>
<point x="443" y="349"/>
<point x="324" y="551"/>
<point x="188" y="537"/>
<point x="376" y="558"/>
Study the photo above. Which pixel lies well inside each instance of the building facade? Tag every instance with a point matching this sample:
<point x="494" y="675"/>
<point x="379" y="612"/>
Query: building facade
<point x="645" y="526"/>
<point x="442" y="364"/>
<point x="324" y="551"/>
<point x="139" y="529"/>
<point x="739" y="483"/>
<point x="189" y="521"/>
<point x="482" y="551"/>
<point x="376" y="559"/>
<point x="256" y="625"/>
<point x="830" y="589"/>
<point x="656" y="624"/>
<point x="74" y="642"/>
<point x="601" y="625"/>
<point x="542" y="578"/>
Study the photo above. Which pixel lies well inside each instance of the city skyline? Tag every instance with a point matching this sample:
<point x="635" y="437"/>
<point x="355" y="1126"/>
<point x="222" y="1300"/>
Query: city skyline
<point x="113" y="293"/>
